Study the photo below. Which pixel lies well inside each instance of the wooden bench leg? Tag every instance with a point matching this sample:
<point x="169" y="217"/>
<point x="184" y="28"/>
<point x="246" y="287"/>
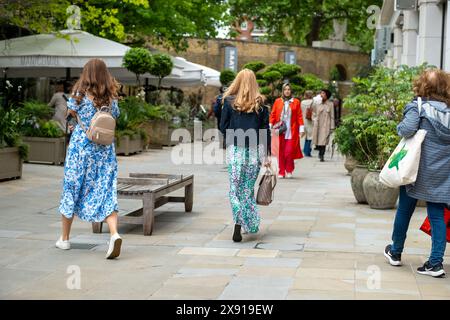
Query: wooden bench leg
<point x="188" y="197"/>
<point x="147" y="213"/>
<point x="97" y="227"/>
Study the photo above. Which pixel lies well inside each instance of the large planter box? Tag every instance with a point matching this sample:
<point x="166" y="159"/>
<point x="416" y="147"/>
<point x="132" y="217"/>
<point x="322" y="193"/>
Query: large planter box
<point x="159" y="133"/>
<point x="127" y="145"/>
<point x="49" y="150"/>
<point x="10" y="164"/>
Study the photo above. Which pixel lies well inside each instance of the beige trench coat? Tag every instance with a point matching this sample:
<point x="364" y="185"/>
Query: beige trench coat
<point x="323" y="120"/>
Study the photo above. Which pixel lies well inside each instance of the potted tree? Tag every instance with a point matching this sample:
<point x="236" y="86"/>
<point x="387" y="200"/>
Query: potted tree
<point x="12" y="150"/>
<point x="158" y="126"/>
<point x="364" y="144"/>
<point x="377" y="103"/>
<point x="138" y="61"/>
<point x="381" y="131"/>
<point x="161" y="67"/>
<point x="42" y="134"/>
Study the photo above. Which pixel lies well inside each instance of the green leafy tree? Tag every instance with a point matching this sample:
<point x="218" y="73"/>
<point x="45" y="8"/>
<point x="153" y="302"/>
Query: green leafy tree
<point x="134" y="22"/>
<point x="305" y="21"/>
<point x="138" y="61"/>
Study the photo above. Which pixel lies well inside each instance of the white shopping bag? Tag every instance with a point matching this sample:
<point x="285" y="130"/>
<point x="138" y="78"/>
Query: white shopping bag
<point x="403" y="165"/>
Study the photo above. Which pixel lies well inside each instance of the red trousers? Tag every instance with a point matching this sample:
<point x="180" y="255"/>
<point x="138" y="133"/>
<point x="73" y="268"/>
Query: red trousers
<point x="285" y="155"/>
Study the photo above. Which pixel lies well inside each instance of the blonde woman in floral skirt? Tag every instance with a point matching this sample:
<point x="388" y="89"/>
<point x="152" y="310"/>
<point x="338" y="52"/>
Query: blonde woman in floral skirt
<point x="245" y="123"/>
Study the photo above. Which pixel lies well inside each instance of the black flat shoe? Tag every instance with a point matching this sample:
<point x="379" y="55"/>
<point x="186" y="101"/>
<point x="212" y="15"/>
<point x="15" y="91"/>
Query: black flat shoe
<point x="237" y="237"/>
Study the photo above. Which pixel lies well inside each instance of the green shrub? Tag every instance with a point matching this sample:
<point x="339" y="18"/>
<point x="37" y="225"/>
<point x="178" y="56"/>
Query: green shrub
<point x="10" y="132"/>
<point x="272" y="76"/>
<point x="384" y="92"/>
<point x="51" y="129"/>
<point x="35" y="120"/>
<point x="255" y="66"/>
<point x="36" y="109"/>
<point x="286" y="70"/>
<point x="227" y="76"/>
<point x="298" y="80"/>
<point x="265" y="90"/>
<point x="261" y="83"/>
<point x="312" y="82"/>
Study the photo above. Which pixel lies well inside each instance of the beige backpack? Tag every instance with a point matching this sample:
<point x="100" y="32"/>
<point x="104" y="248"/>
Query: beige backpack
<point x="101" y="128"/>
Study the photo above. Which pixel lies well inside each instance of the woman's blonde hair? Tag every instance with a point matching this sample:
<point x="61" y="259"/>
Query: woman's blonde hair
<point x="245" y="90"/>
<point x="433" y="84"/>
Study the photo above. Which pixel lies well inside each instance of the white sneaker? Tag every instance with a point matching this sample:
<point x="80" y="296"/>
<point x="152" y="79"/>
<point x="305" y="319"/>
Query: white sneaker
<point x="280" y="176"/>
<point x="62" y="244"/>
<point x="289" y="175"/>
<point x="114" y="247"/>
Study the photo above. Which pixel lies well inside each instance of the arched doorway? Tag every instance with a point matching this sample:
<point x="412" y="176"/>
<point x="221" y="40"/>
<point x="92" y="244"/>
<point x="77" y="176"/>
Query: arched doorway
<point x="341" y="72"/>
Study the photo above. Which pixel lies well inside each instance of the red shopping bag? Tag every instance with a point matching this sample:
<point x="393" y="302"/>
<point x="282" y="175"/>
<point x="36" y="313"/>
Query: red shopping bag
<point x="426" y="227"/>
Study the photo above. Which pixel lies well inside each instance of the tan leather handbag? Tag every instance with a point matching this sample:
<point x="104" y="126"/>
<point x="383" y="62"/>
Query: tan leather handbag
<point x="102" y="127"/>
<point x="266" y="188"/>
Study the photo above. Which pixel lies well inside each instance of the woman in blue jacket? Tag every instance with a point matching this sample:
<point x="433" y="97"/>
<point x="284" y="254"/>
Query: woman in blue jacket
<point x="433" y="178"/>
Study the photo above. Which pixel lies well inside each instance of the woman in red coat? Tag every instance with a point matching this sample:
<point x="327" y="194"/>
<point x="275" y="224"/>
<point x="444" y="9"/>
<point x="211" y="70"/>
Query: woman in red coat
<point x="288" y="110"/>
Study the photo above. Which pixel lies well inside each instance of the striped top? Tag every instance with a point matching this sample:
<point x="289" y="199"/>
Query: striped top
<point x="433" y="179"/>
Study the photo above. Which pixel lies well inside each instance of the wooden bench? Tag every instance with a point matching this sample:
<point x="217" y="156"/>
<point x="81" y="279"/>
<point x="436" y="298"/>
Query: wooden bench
<point x="152" y="189"/>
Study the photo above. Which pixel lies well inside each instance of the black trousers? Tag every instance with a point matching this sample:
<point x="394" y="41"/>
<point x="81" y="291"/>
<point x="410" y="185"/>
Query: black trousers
<point x="321" y="151"/>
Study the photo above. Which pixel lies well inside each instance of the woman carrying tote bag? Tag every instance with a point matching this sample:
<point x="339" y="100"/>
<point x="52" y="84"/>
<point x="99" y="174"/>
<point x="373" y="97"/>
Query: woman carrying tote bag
<point x="433" y="177"/>
<point x="245" y="124"/>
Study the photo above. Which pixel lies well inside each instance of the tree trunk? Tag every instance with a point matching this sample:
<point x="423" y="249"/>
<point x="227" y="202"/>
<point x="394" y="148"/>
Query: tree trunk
<point x="159" y="90"/>
<point x="314" y="34"/>
<point x="316" y="24"/>
<point x="138" y="81"/>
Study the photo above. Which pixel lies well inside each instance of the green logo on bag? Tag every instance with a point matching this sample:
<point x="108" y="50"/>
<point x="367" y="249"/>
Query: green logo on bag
<point x="397" y="157"/>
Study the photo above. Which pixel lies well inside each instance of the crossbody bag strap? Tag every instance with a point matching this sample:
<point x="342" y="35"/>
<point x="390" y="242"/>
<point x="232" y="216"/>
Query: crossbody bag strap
<point x="419" y="105"/>
<point x="80" y="123"/>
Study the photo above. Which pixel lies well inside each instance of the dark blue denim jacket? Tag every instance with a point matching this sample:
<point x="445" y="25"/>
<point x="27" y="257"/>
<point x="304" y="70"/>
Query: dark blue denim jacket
<point x="245" y="129"/>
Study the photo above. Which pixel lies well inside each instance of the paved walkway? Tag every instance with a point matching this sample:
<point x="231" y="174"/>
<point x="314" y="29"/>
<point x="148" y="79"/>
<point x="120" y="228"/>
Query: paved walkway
<point x="315" y="243"/>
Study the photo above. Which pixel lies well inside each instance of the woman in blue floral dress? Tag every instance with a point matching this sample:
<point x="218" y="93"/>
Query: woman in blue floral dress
<point x="245" y="124"/>
<point x="90" y="173"/>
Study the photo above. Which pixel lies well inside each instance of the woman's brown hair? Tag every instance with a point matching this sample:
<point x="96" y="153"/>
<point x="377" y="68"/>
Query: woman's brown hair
<point x="433" y="84"/>
<point x="96" y="80"/>
<point x="245" y="89"/>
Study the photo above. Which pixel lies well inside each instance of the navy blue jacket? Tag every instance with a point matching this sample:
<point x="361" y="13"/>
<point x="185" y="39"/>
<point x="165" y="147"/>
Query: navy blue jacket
<point x="245" y="129"/>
